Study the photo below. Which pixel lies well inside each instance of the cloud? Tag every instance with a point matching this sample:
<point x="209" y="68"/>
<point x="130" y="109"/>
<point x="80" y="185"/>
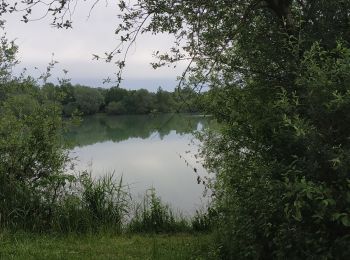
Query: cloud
<point x="94" y="35"/>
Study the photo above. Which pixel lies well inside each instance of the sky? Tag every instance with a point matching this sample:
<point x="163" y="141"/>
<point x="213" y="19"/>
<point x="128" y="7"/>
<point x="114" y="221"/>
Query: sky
<point x="73" y="49"/>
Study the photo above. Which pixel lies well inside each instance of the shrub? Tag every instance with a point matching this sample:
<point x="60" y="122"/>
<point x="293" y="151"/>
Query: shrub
<point x="32" y="160"/>
<point x="282" y="183"/>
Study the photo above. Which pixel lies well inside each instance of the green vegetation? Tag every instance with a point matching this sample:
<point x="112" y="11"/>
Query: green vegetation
<point x="97" y="246"/>
<point x="32" y="156"/>
<point x="151" y="215"/>
<point x="44" y="206"/>
<point x="117" y="101"/>
<point x="278" y="73"/>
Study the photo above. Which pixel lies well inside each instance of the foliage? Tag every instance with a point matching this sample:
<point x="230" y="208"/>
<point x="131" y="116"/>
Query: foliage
<point x="204" y="220"/>
<point x="116" y="108"/>
<point x="38" y="193"/>
<point x="282" y="177"/>
<point x="152" y="215"/>
<point x="115" y="94"/>
<point x="8" y="59"/>
<point x="278" y="75"/>
<point x="277" y="72"/>
<point x="32" y="157"/>
<point x="165" y="101"/>
<point x="87" y="100"/>
<point x="118" y="101"/>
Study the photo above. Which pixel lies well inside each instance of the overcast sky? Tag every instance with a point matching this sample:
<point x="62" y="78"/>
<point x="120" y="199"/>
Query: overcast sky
<point x="73" y="49"/>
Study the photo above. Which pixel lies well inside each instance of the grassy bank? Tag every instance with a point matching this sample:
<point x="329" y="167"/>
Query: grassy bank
<point x="179" y="246"/>
<point x="98" y="219"/>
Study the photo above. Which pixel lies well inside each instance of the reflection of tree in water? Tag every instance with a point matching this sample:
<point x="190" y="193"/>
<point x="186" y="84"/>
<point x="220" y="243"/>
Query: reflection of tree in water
<point x="102" y="128"/>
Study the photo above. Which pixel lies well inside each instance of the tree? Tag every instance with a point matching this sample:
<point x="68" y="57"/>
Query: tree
<point x="278" y="77"/>
<point x="115" y="94"/>
<point x="8" y="59"/>
<point x="144" y="101"/>
<point x="281" y="173"/>
<point x="88" y="100"/>
<point x="116" y="108"/>
<point x="32" y="155"/>
<point x="187" y="99"/>
<point x="164" y="101"/>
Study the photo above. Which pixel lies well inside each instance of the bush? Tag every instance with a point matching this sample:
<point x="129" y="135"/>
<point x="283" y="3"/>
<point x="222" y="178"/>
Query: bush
<point x="282" y="185"/>
<point x="32" y="160"/>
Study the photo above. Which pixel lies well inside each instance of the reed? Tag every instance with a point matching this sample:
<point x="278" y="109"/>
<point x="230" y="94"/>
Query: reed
<point x="84" y="204"/>
<point x="151" y="215"/>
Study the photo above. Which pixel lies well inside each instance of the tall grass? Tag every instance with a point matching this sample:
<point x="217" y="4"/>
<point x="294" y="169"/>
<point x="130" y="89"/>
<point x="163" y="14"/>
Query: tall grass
<point x="94" y="205"/>
<point x="152" y="215"/>
<point x="204" y="219"/>
<point x="76" y="205"/>
<point x="83" y="204"/>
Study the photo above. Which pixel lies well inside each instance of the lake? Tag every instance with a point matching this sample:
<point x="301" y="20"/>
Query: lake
<point x="148" y="151"/>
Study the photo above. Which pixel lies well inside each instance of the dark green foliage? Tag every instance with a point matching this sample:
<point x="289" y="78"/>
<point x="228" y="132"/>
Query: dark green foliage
<point x="70" y="109"/>
<point x="278" y="75"/>
<point x="88" y="100"/>
<point x="32" y="157"/>
<point x="164" y="101"/>
<point x="118" y="101"/>
<point x="188" y="100"/>
<point x="283" y="181"/>
<point x="116" y="108"/>
<point x="115" y="94"/>
<point x="204" y="220"/>
<point x="36" y="193"/>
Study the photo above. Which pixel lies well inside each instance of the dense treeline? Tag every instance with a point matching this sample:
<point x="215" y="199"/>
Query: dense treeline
<point x="118" y="101"/>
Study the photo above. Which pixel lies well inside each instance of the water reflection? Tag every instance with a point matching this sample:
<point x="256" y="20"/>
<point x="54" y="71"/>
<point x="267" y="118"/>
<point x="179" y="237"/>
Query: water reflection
<point x="100" y="128"/>
<point x="149" y="151"/>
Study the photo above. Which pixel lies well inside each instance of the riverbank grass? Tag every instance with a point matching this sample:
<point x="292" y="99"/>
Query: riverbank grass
<point x="31" y="246"/>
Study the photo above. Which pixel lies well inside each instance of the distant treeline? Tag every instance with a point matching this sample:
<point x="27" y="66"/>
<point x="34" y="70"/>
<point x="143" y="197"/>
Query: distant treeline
<point x="119" y="101"/>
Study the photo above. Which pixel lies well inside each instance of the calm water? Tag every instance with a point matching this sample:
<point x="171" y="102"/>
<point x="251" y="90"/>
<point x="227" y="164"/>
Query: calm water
<point x="148" y="151"/>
